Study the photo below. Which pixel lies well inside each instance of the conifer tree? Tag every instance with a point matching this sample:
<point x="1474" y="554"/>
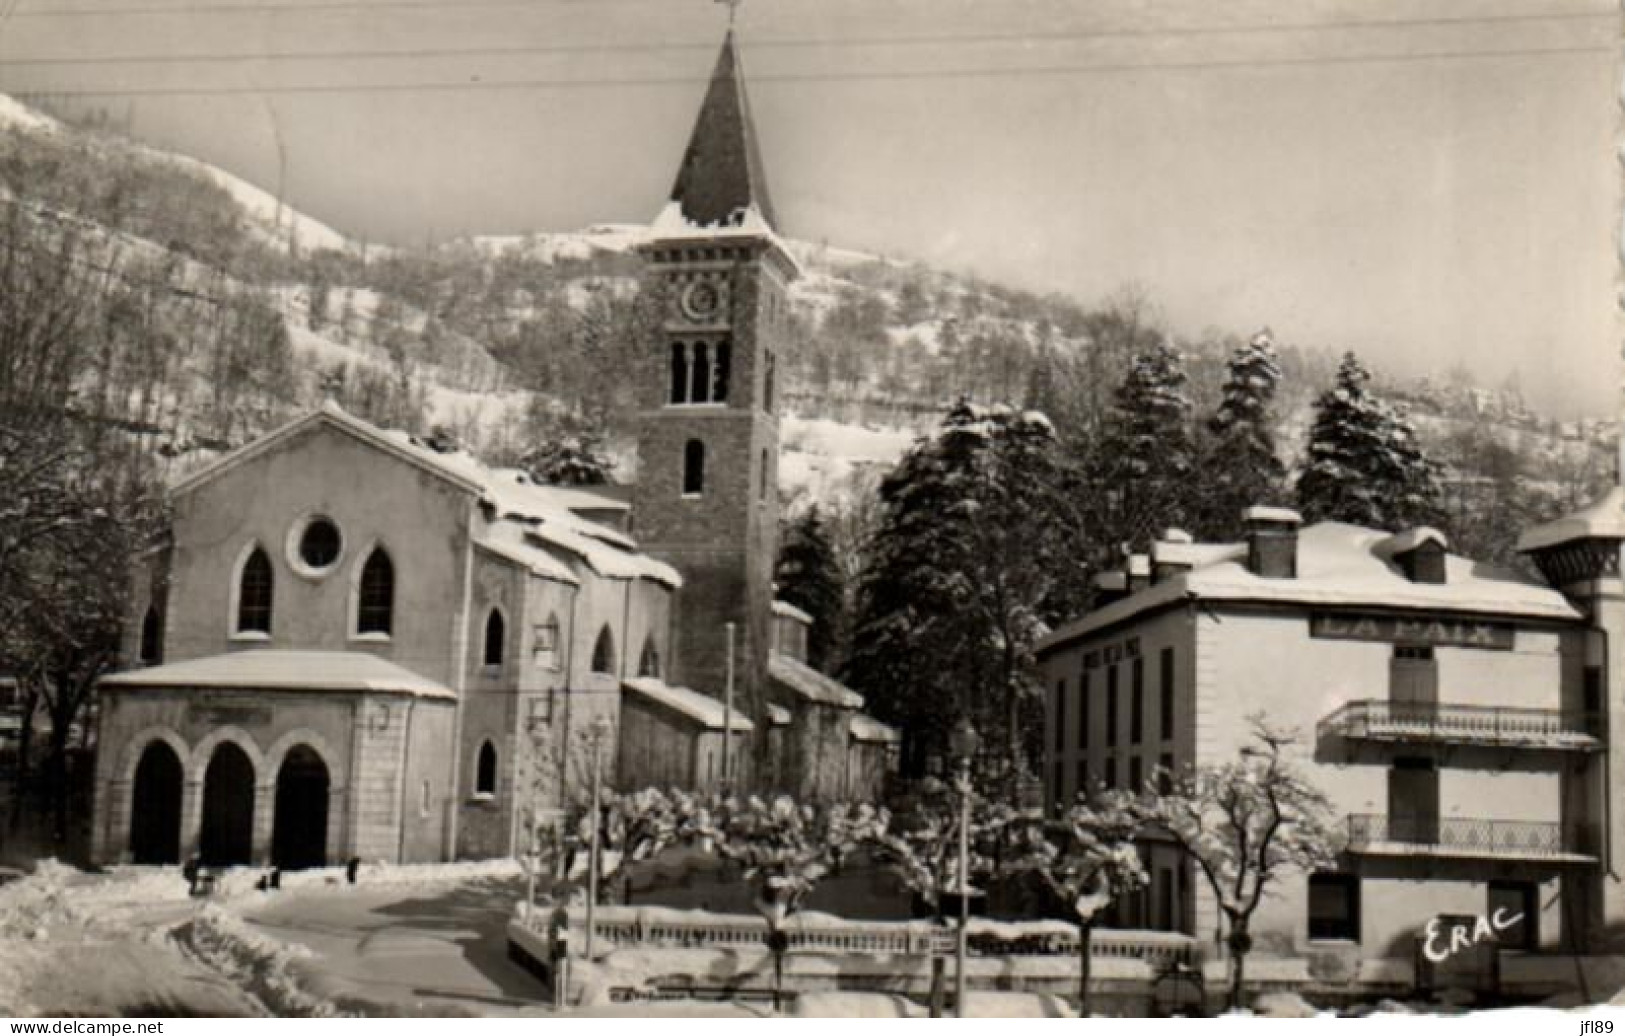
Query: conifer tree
<point x="977" y="550"/>
<point x="808" y="577"/>
<point x="1364" y="464"/>
<point x="1240" y="466"/>
<point x="569" y="460"/>
<point x="1145" y="460"/>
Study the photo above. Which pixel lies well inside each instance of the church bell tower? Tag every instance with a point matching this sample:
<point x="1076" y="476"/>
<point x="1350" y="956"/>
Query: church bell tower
<point x="706" y="500"/>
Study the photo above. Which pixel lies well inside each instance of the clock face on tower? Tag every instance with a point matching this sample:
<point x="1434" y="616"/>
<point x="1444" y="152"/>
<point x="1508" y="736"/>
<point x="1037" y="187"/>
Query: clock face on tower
<point x="701" y="302"/>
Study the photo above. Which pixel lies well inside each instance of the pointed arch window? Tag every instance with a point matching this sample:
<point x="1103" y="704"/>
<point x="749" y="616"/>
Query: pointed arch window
<point x="679" y="372"/>
<point x="603" y="652"/>
<point x="485" y="771"/>
<point x="152" y="637"/>
<point x="496" y="635"/>
<point x="254" y="592"/>
<point x="375" y="601"/>
<point x="693" y="468"/>
<point x="649" y="663"/>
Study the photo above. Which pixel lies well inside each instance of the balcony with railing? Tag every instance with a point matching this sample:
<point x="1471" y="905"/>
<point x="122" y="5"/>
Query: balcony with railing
<point x="1467" y="838"/>
<point x="1492" y="726"/>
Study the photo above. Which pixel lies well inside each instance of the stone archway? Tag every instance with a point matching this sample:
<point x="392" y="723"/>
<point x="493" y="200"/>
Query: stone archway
<point x="227" y="835"/>
<point x="299" y="824"/>
<point x="155" y="806"/>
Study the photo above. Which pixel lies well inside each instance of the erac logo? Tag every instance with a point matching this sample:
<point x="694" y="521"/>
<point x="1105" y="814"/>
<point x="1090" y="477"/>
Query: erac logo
<point x="1440" y="947"/>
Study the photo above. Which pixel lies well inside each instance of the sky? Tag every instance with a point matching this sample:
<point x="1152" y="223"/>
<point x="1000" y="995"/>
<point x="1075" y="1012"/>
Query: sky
<point x="1430" y="183"/>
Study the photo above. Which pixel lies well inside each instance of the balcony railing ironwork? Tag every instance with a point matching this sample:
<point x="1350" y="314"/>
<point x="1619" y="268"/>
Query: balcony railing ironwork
<point x="1492" y="725"/>
<point x="1465" y="836"/>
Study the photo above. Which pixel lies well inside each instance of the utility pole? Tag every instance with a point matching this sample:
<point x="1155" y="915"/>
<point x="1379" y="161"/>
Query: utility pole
<point x="600" y="731"/>
<point x="728" y="712"/>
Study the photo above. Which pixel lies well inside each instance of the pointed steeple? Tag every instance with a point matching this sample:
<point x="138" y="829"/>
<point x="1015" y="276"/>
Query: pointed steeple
<point x="722" y="174"/>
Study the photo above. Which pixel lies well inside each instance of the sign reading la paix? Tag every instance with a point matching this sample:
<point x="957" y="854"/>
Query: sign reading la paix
<point x="1436" y="631"/>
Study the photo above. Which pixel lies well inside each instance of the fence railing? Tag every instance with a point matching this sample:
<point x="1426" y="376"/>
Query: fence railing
<point x="664" y="927"/>
<point x="1463" y="724"/>
<point x="1529" y="839"/>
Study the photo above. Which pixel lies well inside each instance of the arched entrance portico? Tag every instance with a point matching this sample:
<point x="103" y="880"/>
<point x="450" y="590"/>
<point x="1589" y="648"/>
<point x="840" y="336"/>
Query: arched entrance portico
<point x="299" y="825"/>
<point x="227" y="835"/>
<point x="155" y="806"/>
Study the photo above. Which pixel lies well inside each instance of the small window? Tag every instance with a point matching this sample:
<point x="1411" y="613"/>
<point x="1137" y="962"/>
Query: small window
<point x="496" y="635"/>
<point x="1060" y="716"/>
<point x="1414" y="652"/>
<point x="375" y="602"/>
<point x="1111" y="706"/>
<point x="767" y="385"/>
<point x="320" y="543"/>
<point x="1136" y="705"/>
<point x="649" y="661"/>
<point x="693" y="468"/>
<point x="679" y="373"/>
<point x="485" y="773"/>
<point x="1084" y="682"/>
<point x="1111" y="773"/>
<point x="1334" y="907"/>
<point x="426" y="802"/>
<point x="545" y="649"/>
<point x="603" y="652"/>
<point x="762" y="485"/>
<point x="1166" y="674"/>
<point x="1136" y="775"/>
<point x="152" y="637"/>
<point x="254" y="594"/>
<point x="1081" y="772"/>
<point x="1165" y="773"/>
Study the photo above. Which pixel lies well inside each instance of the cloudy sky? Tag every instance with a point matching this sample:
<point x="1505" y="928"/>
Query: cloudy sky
<point x="1428" y="182"/>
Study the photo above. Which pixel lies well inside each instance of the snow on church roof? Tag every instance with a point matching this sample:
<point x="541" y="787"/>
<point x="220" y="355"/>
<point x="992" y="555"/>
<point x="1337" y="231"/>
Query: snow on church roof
<point x="806" y="682"/>
<point x="275" y="670"/>
<point x="696" y="706"/>
<point x="1338" y="566"/>
<point x="866" y="728"/>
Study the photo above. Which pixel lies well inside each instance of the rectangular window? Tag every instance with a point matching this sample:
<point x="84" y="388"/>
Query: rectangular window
<point x="1084" y="680"/>
<point x="1334" y="907"/>
<point x="1136" y="707"/>
<point x="1111" y="773"/>
<point x="1513" y="907"/>
<point x="1136" y="774"/>
<point x="1165" y="773"/>
<point x="1111" y="706"/>
<point x="1165" y="899"/>
<point x="1082" y="776"/>
<point x="1060" y="716"/>
<point x="1166" y="675"/>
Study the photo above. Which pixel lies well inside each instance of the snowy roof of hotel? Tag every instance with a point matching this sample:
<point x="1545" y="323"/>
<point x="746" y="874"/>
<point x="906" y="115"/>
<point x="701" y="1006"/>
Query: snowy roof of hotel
<point x="1265" y="513"/>
<point x="1603" y="520"/>
<point x="1194" y="555"/>
<point x="1338" y="566"/>
<point x="784" y="609"/>
<point x="803" y="680"/>
<point x="271" y="669"/>
<point x="866" y="728"/>
<point x="546" y="513"/>
<point x="696" y="706"/>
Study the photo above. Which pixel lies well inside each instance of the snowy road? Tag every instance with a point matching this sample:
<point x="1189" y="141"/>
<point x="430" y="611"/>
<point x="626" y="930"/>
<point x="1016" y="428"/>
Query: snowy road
<point x="427" y="950"/>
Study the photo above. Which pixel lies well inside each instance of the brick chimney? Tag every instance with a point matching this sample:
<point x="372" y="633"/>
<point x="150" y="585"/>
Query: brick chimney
<point x="1272" y="541"/>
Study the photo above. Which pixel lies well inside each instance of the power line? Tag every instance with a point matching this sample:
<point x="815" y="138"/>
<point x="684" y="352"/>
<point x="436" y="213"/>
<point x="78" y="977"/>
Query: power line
<point x="955" y="39"/>
<point x="476" y="83"/>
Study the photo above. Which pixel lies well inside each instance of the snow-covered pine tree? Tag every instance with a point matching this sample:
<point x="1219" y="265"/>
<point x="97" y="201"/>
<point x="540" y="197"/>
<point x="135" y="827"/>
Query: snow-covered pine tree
<point x="1146" y="457"/>
<point x="977" y="550"/>
<point x="807" y="576"/>
<point x="1240" y="466"/>
<point x="569" y="460"/>
<point x="1364" y="464"/>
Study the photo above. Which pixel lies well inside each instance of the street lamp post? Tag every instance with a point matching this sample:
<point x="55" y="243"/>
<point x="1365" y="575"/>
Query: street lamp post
<point x="599" y="733"/>
<point x="963" y="743"/>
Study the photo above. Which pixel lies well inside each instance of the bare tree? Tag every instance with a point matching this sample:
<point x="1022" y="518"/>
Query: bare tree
<point x="1247" y="823"/>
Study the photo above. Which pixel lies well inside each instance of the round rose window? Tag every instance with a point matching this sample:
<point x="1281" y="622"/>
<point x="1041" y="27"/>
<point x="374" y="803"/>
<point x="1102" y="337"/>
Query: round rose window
<point x="320" y="544"/>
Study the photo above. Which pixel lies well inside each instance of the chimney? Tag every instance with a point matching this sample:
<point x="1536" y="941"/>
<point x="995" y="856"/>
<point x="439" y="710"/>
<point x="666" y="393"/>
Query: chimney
<point x="1168" y="558"/>
<point x="1136" y="572"/>
<point x="1272" y="541"/>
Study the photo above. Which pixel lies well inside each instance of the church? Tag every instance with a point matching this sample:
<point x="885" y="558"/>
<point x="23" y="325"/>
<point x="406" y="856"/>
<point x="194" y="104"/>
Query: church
<point x="352" y="643"/>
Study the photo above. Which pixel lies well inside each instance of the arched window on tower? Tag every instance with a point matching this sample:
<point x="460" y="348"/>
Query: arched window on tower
<point x="699" y="383"/>
<point x="496" y="636"/>
<point x="254" y="592"/>
<point x="603" y="652"/>
<point x="719" y="383"/>
<point x="375" y="602"/>
<point x="679" y="372"/>
<point x="485" y="771"/>
<point x="649" y="663"/>
<point x="152" y="637"/>
<point x="761" y="489"/>
<point x="767" y="385"/>
<point x="693" y="468"/>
